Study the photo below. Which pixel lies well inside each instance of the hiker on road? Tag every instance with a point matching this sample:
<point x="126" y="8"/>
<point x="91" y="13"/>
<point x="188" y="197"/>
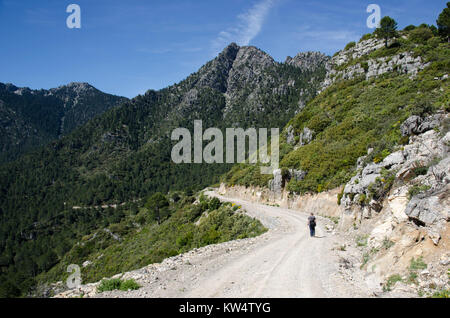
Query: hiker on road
<point x="312" y="224"/>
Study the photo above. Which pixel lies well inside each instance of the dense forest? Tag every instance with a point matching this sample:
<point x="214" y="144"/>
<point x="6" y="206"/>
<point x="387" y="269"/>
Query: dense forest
<point x="32" y="118"/>
<point x="164" y="226"/>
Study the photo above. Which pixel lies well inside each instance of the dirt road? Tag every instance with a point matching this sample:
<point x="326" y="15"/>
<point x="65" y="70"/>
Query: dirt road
<point x="288" y="265"/>
<point x="284" y="262"/>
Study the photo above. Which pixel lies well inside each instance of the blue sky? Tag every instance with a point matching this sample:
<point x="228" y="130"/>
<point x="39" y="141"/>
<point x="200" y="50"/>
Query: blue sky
<point x="127" y="47"/>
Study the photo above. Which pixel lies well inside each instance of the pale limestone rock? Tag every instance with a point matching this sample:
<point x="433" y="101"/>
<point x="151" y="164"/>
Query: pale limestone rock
<point x="397" y="204"/>
<point x="379" y="233"/>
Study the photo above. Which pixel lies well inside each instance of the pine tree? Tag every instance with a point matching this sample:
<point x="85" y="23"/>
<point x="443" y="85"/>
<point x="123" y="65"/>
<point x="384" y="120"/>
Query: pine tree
<point x="155" y="203"/>
<point x="443" y="23"/>
<point x="387" y="29"/>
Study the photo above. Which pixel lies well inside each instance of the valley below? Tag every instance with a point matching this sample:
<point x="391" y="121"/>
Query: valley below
<point x="283" y="262"/>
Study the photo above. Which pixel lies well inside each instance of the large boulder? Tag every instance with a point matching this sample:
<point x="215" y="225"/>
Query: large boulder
<point x="290" y="137"/>
<point x="411" y="126"/>
<point x="276" y="184"/>
<point x="280" y="179"/>
<point x="415" y="125"/>
<point x="306" y="136"/>
<point x="430" y="123"/>
<point x="393" y="160"/>
<point x="430" y="208"/>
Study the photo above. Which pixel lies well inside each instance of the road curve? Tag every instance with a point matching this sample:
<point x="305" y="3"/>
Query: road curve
<point x="284" y="262"/>
<point x="289" y="264"/>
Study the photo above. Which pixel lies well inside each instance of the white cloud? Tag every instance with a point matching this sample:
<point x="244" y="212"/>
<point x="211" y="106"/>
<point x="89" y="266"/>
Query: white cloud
<point x="249" y="25"/>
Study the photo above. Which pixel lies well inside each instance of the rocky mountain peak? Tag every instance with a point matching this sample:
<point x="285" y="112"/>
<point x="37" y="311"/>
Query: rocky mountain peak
<point x="82" y="85"/>
<point x="230" y="51"/>
<point x="215" y="73"/>
<point x="233" y="62"/>
<point x="252" y="57"/>
<point x="76" y="87"/>
<point x="308" y="61"/>
<point x="8" y="87"/>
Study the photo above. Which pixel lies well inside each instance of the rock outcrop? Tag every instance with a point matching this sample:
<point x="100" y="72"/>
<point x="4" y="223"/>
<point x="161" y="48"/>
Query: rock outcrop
<point x="306" y="136"/>
<point x="421" y="150"/>
<point x="359" y="50"/>
<point x="430" y="208"/>
<point x="215" y="73"/>
<point x="405" y="63"/>
<point x="277" y="183"/>
<point x="290" y="137"/>
<point x="308" y="61"/>
<point x="416" y="125"/>
<point x="302" y="139"/>
<point x="282" y="176"/>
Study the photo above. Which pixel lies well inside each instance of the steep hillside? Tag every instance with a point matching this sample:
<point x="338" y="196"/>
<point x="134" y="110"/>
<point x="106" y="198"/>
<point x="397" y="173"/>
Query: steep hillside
<point x="124" y="155"/>
<point x="369" y="91"/>
<point x="371" y="152"/>
<point x="32" y="118"/>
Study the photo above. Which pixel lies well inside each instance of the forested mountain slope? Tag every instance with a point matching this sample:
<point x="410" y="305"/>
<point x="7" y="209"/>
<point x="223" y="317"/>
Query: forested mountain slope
<point x="124" y="155"/>
<point x="32" y="118"/>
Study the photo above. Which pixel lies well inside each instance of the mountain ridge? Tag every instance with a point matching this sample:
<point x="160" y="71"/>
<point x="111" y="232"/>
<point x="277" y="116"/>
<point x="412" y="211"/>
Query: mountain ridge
<point x="32" y="118"/>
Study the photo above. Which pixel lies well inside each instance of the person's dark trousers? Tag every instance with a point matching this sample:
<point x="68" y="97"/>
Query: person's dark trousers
<point x="312" y="231"/>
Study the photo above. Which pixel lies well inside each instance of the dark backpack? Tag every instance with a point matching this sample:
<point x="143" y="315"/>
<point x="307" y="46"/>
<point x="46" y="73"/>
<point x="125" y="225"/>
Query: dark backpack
<point x="312" y="221"/>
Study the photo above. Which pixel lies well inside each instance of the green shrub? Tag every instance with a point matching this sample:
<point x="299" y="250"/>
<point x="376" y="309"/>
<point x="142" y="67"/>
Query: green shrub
<point x="412" y="278"/>
<point x="350" y="45"/>
<point x="109" y="284"/>
<point x="361" y="240"/>
<point x="379" y="189"/>
<point x="214" y="204"/>
<point x="404" y="141"/>
<point x="409" y="27"/>
<point x="434" y="42"/>
<point x="417" y="264"/>
<point x="420" y="171"/>
<point x="387" y="244"/>
<point x="362" y="199"/>
<point x="365" y="66"/>
<point x="445" y="293"/>
<point x="185" y="239"/>
<point x="391" y="281"/>
<point x="417" y="189"/>
<point x="366" y="37"/>
<point x="365" y="259"/>
<point x="117" y="284"/>
<point x="129" y="284"/>
<point x="421" y="35"/>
